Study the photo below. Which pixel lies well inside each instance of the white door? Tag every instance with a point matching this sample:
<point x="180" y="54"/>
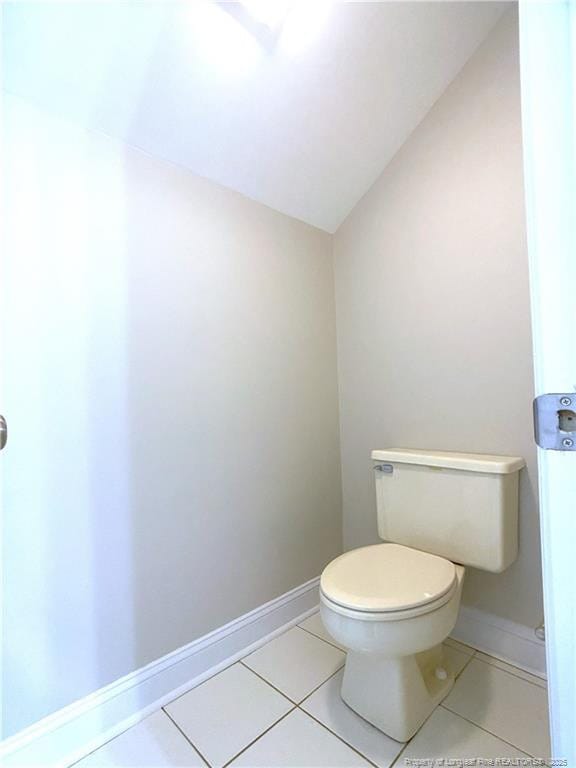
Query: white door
<point x="548" y="68"/>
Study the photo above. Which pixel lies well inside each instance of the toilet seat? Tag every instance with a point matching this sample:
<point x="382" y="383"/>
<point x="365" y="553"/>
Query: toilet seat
<point x="388" y="582"/>
<point x="409" y="613"/>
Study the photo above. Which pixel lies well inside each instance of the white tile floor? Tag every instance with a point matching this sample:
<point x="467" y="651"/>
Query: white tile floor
<point x="280" y="707"/>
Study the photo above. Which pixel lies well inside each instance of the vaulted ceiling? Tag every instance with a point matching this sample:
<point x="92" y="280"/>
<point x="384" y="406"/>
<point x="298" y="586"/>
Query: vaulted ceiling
<point x="305" y="127"/>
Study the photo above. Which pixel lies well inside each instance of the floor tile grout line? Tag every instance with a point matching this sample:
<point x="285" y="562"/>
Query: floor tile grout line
<point x="317" y="637"/>
<point x="456" y="676"/>
<point x="264" y="680"/>
<point x="435" y="709"/>
<point x="457" y="644"/>
<point x="399" y="755"/>
<point x="296" y="703"/>
<point x="189" y="740"/>
<point x="101" y="746"/>
<point x="508" y="672"/>
<point x="319" y="686"/>
<point x="165" y="711"/>
<point x="305" y="711"/>
<point x="321" y="638"/>
<point x="299" y="705"/>
<point x="477" y="651"/>
<point x="444" y="706"/>
<point x="241" y="661"/>
<point x="394" y="762"/>
<point x="347" y="743"/>
<point x="482" y="728"/>
<point x="207" y="680"/>
<point x="274" y="724"/>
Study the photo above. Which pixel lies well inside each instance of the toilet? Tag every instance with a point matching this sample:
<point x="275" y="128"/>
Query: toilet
<point x="391" y="605"/>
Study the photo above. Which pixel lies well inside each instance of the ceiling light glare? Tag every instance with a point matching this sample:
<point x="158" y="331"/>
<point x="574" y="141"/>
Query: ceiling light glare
<point x="218" y="42"/>
<point x="303" y="26"/>
<point x="271" y="13"/>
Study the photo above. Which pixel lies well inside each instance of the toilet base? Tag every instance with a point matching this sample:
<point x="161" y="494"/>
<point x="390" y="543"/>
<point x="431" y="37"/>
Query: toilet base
<point x="395" y="694"/>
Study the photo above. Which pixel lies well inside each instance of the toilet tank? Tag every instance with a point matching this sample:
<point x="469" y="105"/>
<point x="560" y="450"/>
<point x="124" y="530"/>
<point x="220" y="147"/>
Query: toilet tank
<point x="462" y="506"/>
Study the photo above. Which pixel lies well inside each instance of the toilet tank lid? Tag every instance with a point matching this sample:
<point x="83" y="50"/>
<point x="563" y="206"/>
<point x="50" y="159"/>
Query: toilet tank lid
<point x="470" y="462"/>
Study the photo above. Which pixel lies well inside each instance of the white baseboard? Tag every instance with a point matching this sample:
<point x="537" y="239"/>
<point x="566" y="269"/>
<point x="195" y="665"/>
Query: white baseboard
<point x="73" y="732"/>
<point x="502" y="638"/>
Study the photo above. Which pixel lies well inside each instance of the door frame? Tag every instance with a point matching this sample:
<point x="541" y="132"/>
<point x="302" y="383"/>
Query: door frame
<point x="548" y="77"/>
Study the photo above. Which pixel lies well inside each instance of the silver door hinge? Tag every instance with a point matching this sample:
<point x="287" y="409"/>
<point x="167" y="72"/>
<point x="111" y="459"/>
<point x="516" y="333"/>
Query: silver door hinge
<point x="555" y="421"/>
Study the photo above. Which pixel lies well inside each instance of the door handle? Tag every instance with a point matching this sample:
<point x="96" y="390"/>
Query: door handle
<point x="3" y="432"/>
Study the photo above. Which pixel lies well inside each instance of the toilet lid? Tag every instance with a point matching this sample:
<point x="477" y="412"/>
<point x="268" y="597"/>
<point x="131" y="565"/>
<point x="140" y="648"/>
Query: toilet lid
<point x="387" y="577"/>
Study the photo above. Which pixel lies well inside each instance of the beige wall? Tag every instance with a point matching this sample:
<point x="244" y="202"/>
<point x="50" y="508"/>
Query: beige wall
<point x="434" y="347"/>
<point x="170" y="380"/>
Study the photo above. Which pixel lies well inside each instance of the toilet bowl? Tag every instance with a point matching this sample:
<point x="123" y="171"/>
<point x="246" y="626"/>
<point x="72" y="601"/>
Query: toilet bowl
<point x="391" y="607"/>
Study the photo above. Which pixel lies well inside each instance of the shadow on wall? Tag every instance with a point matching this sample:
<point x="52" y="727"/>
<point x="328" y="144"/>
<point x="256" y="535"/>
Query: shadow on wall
<point x="233" y="405"/>
<point x="232" y="391"/>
